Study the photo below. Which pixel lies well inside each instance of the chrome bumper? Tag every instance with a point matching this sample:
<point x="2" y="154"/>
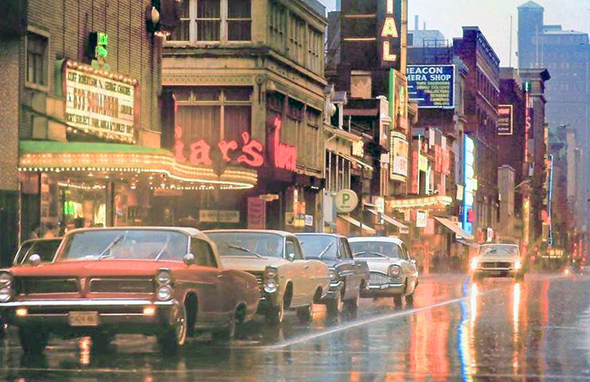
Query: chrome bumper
<point x="383" y="290"/>
<point x="120" y="315"/>
<point x="333" y="292"/>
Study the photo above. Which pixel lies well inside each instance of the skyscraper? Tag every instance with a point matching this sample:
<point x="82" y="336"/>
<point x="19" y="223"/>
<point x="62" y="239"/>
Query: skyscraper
<point x="565" y="53"/>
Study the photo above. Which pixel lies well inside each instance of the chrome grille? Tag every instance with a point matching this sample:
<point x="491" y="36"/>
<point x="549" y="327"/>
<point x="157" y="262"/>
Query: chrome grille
<point x="496" y="264"/>
<point x="378" y="279"/>
<point x="259" y="276"/>
<point x="112" y="285"/>
<point x="45" y="286"/>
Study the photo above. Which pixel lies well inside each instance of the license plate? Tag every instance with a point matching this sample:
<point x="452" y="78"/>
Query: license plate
<point x="83" y="318"/>
<point x="497" y="273"/>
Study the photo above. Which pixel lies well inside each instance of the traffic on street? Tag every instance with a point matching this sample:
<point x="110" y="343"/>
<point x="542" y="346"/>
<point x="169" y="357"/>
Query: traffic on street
<point x="458" y="330"/>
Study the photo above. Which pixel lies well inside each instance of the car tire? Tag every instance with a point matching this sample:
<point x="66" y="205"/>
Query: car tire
<point x="275" y="314"/>
<point x="351" y="306"/>
<point x="33" y="341"/>
<point x="398" y="301"/>
<point x="173" y="337"/>
<point x="305" y="313"/>
<point x="410" y="300"/>
<point x="227" y="334"/>
<point x="519" y="277"/>
<point x="334" y="306"/>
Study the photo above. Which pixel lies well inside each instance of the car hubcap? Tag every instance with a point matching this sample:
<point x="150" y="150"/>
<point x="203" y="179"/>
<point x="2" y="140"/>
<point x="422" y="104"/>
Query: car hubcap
<point x="181" y="326"/>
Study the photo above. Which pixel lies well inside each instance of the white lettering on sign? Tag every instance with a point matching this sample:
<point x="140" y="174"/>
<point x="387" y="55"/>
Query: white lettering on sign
<point x="99" y="105"/>
<point x="389" y="32"/>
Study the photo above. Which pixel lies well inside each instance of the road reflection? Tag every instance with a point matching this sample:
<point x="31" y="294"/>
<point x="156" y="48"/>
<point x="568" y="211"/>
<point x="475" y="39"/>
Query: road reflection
<point x="457" y="330"/>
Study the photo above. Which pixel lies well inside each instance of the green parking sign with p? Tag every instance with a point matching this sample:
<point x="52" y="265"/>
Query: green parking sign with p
<point x="346" y="201"/>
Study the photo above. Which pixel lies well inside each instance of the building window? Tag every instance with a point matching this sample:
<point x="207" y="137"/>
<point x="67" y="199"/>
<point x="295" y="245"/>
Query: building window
<point x="213" y="114"/>
<point x="37" y="59"/>
<point x="214" y="21"/>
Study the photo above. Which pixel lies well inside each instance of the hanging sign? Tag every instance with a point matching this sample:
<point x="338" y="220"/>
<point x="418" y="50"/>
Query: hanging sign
<point x="346" y="201"/>
<point x="505" y="120"/>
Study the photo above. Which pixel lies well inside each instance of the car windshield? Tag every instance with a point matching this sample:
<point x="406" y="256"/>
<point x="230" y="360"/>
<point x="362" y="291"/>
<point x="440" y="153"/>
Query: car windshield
<point x="253" y="244"/>
<point x="319" y="246"/>
<point x="46" y="249"/>
<point x="498" y="250"/>
<point x="125" y="244"/>
<point x="375" y="249"/>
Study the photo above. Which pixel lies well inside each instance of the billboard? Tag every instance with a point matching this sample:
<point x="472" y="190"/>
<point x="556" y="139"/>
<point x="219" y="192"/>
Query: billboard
<point x="505" y="119"/>
<point x="398" y="157"/>
<point x="432" y="86"/>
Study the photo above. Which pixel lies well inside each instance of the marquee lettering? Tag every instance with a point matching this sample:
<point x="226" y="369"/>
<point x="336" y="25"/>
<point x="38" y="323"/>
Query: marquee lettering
<point x="201" y="153"/>
<point x="389" y="32"/>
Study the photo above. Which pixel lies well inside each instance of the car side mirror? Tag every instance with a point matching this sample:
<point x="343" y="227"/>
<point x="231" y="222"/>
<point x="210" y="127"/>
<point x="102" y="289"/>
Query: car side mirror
<point x="413" y="262"/>
<point x="291" y="256"/>
<point x="35" y="260"/>
<point x="188" y="259"/>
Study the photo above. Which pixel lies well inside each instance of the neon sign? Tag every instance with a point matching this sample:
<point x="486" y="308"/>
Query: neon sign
<point x="246" y="151"/>
<point x="251" y="151"/>
<point x="282" y="155"/>
<point x="391" y="33"/>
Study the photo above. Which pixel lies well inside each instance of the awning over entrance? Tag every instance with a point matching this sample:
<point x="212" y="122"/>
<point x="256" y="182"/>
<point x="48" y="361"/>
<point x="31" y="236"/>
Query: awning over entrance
<point x="358" y="224"/>
<point x="94" y="158"/>
<point x="389" y="220"/>
<point x="454" y="227"/>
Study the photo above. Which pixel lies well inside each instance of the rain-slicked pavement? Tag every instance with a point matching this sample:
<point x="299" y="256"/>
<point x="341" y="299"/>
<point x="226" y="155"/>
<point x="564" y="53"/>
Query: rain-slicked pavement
<point x="498" y="329"/>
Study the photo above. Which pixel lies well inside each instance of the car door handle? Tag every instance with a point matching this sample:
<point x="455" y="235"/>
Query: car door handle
<point x="306" y="267"/>
<point x="220" y="276"/>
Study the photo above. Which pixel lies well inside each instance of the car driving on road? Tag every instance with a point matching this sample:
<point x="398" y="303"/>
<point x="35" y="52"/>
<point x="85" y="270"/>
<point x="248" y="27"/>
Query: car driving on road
<point x="287" y="279"/>
<point x="393" y="272"/>
<point x="167" y="282"/>
<point x="348" y="277"/>
<point x="498" y="260"/>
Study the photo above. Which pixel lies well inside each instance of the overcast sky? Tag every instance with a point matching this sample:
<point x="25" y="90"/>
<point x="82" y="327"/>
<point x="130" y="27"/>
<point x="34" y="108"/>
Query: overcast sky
<point x="493" y="18"/>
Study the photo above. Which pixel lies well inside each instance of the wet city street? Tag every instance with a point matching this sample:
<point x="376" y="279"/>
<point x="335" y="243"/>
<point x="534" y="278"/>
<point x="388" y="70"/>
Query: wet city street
<point x="456" y="331"/>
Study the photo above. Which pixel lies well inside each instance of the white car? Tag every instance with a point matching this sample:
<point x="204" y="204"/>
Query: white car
<point x="498" y="260"/>
<point x="393" y="273"/>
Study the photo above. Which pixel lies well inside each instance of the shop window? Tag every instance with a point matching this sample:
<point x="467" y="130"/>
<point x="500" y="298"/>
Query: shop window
<point x="37" y="59"/>
<point x="214" y="21"/>
<point x="213" y="115"/>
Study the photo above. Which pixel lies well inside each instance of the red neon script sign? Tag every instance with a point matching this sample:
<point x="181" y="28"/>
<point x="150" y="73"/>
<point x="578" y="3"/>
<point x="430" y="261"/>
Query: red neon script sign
<point x="200" y="152"/>
<point x="282" y="155"/>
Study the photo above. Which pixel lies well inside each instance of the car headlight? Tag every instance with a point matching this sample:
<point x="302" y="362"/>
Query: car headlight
<point x="333" y="275"/>
<point x="518" y="264"/>
<point x="394" y="271"/>
<point x="474" y="264"/>
<point x="163" y="293"/>
<point x="270" y="280"/>
<point x="5" y="294"/>
<point x="5" y="279"/>
<point x="163" y="277"/>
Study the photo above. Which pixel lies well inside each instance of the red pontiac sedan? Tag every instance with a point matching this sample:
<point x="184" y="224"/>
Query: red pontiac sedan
<point x="167" y="282"/>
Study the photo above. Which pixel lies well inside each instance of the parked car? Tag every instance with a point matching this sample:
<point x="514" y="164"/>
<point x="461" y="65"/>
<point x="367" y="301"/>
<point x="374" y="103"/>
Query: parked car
<point x="348" y="277"/>
<point x="498" y="260"/>
<point x="287" y="279"/>
<point x="393" y="271"/>
<point x="44" y="248"/>
<point x="166" y="282"/>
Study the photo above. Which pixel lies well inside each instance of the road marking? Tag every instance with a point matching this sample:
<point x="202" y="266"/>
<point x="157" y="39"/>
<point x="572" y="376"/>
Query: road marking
<point x="386" y="317"/>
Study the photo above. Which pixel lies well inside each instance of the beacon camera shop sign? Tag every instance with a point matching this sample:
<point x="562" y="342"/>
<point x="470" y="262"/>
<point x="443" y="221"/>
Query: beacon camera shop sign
<point x="432" y="86"/>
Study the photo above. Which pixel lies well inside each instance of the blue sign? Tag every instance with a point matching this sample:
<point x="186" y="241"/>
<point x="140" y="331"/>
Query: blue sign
<point x="432" y="86"/>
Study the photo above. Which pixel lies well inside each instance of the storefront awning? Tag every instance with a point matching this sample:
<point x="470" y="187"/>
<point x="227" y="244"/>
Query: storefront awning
<point x="109" y="158"/>
<point x="454" y="227"/>
<point x="358" y="224"/>
<point x="389" y="220"/>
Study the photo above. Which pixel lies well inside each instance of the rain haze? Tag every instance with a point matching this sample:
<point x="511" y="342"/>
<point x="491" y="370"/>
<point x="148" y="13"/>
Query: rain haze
<point x="493" y="18"/>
